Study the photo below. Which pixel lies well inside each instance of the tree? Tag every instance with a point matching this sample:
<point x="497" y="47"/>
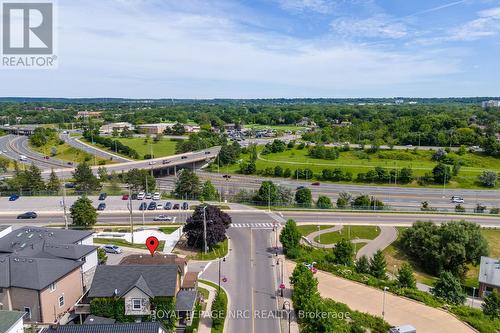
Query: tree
<point x="54" y="184"/>
<point x="229" y="154"/>
<point x="305" y="287"/>
<point x="344" y="200"/>
<point x="441" y="173"/>
<point x="268" y="193"/>
<point x="378" y="265"/>
<point x="114" y="181"/>
<point x="102" y="172"/>
<point x="488" y="178"/>
<point x="290" y="236"/>
<point x="217" y="222"/>
<point x="138" y="178"/>
<point x="324" y="202"/>
<point x="33" y="178"/>
<point x="363" y="265"/>
<point x="85" y="180"/>
<point x="83" y="212"/>
<point x="303" y="197"/>
<point x="405" y="277"/>
<point x="4" y="164"/>
<point x="491" y="305"/>
<point x="208" y="192"/>
<point x="405" y="176"/>
<point x="448" y="288"/>
<point x="187" y="185"/>
<point x="343" y="252"/>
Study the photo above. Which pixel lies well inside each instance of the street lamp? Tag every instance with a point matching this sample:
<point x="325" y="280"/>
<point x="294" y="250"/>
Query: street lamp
<point x="286" y="306"/>
<point x="473" y="295"/>
<point x="224" y="260"/>
<point x="282" y="284"/>
<point x="383" y="304"/>
<point x="205" y="229"/>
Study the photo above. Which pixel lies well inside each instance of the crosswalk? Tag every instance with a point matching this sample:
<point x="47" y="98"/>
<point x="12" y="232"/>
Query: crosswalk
<point x="253" y="225"/>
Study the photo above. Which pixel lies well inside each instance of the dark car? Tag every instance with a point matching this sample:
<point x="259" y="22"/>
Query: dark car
<point x="27" y="215"/>
<point x="134" y="196"/>
<point x="185" y="206"/>
<point x="69" y="185"/>
<point x="176" y="206"/>
<point x="207" y="153"/>
<point x="300" y="187"/>
<point x="46" y="157"/>
<point x="143" y="206"/>
<point x="316" y="184"/>
<point x="152" y="205"/>
<point x="183" y="157"/>
<point x="226" y="176"/>
<point x="168" y="206"/>
<point x="166" y="161"/>
<point x="102" y="206"/>
<point x="103" y="196"/>
<point x="13" y="197"/>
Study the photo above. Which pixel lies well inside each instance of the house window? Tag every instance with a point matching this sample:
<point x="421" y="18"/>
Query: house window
<point x="52" y="287"/>
<point x="61" y="301"/>
<point x="136" y="304"/>
<point x="28" y="312"/>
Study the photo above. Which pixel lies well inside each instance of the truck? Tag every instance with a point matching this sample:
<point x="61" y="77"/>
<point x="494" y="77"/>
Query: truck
<point x="403" y="329"/>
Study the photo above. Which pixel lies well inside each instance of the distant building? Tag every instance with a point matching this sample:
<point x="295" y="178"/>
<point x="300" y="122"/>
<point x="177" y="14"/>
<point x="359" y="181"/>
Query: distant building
<point x="489" y="276"/>
<point x="88" y="114"/>
<point x="11" y="322"/>
<point x="192" y="128"/>
<point x="154" y="129"/>
<point x="491" y="104"/>
<point x="110" y="128"/>
<point x="306" y="122"/>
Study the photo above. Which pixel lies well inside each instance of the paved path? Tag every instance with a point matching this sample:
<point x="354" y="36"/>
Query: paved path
<point x="206" y="320"/>
<point x="398" y="310"/>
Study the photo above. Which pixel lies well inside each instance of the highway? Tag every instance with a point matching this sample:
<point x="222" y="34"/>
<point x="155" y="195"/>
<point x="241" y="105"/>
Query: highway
<point x="78" y="144"/>
<point x="400" y="198"/>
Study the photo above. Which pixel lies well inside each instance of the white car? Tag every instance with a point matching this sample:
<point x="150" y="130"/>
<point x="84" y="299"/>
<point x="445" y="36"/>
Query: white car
<point x="156" y="196"/>
<point x="163" y="218"/>
<point x="148" y="196"/>
<point x="22" y="158"/>
<point x="152" y="162"/>
<point x="141" y="196"/>
<point x="456" y="199"/>
<point x="159" y="206"/>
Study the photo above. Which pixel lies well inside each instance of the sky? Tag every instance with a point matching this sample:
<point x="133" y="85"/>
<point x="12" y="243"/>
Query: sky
<point x="269" y="49"/>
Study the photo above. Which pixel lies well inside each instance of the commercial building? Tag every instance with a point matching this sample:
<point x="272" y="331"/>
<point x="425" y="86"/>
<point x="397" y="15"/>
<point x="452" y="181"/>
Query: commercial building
<point x="491" y="104"/>
<point x="489" y="276"/>
<point x="119" y="127"/>
<point x="154" y="129"/>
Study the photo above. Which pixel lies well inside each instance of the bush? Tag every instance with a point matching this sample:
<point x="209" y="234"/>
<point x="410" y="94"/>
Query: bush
<point x="324" y="202"/>
<point x="219" y="308"/>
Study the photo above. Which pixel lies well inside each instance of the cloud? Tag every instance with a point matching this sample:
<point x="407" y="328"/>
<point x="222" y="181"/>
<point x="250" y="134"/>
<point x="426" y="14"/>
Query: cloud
<point x="488" y="24"/>
<point x="380" y="26"/>
<point x="319" y="6"/>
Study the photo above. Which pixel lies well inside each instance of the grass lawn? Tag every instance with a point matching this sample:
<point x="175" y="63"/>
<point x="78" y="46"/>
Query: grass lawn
<point x="307" y="229"/>
<point x="164" y="147"/>
<point x="218" y="251"/>
<point x="168" y="230"/>
<point x="361" y="232"/>
<point x="123" y="243"/>
<point x="357" y="161"/>
<point x="68" y="153"/>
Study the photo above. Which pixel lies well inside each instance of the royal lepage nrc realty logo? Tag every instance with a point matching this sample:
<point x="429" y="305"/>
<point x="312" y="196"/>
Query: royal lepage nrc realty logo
<point x="28" y="35"/>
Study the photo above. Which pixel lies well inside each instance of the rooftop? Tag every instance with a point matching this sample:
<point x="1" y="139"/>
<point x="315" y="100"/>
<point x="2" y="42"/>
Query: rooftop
<point x="150" y="327"/>
<point x="185" y="300"/>
<point x="8" y="319"/>
<point x="489" y="271"/>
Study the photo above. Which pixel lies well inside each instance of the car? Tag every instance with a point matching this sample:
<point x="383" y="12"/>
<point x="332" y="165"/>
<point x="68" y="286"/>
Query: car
<point x="5" y="151"/>
<point x="141" y="196"/>
<point x="22" y="158"/>
<point x="156" y="196"/>
<point x="102" y="206"/>
<point x="168" y="206"/>
<point x="163" y="218"/>
<point x="409" y="146"/>
<point x="27" y="215"/>
<point x="13" y="197"/>
<point x="176" y="206"/>
<point x="185" y="206"/>
<point x="226" y="176"/>
<point x="134" y="196"/>
<point x="125" y="197"/>
<point x="112" y="249"/>
<point x="208" y="153"/>
<point x="103" y="196"/>
<point x="159" y="206"/>
<point x="183" y="157"/>
<point x="148" y="196"/>
<point x="70" y="163"/>
<point x="300" y="187"/>
<point x="143" y="206"/>
<point x="69" y="185"/>
<point x="166" y="162"/>
<point x="456" y="199"/>
<point x="152" y="205"/>
<point x="46" y="157"/>
<point x="316" y="184"/>
<point x="152" y="162"/>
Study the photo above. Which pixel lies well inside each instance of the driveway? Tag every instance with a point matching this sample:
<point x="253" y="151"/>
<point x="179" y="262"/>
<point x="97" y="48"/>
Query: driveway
<point x="398" y="310"/>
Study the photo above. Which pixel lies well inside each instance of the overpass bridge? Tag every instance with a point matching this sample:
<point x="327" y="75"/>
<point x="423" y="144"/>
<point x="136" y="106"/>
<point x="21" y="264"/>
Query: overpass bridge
<point x="19" y="129"/>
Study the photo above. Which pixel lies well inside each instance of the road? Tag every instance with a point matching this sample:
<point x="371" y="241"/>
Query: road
<point x="401" y="198"/>
<point x="75" y="142"/>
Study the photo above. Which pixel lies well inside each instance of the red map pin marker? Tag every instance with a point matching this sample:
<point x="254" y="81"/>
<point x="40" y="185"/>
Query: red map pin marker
<point x="152" y="243"/>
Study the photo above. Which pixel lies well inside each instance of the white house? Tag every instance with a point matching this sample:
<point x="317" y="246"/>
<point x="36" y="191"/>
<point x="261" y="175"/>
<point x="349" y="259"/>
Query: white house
<point x="11" y="322"/>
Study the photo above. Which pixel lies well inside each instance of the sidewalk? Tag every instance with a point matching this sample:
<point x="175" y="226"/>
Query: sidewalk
<point x="206" y="320"/>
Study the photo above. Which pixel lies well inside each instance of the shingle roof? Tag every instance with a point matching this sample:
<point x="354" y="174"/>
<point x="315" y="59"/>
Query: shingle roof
<point x="152" y="327"/>
<point x="185" y="300"/>
<point x="190" y="280"/>
<point x="142" y="285"/>
<point x="8" y="319"/>
<point x="489" y="271"/>
<point x="96" y="320"/>
<point x="160" y="279"/>
<point x="33" y="273"/>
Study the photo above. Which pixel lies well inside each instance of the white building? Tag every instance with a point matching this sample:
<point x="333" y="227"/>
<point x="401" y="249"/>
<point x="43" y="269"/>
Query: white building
<point x="491" y="104"/>
<point x="110" y="128"/>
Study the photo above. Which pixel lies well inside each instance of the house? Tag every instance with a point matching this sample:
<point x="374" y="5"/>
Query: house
<point x="156" y="259"/>
<point x="137" y="285"/>
<point x="88" y="114"/>
<point x="489" y="276"/>
<point x="192" y="128"/>
<point x="152" y="327"/>
<point x="190" y="281"/>
<point x="119" y="127"/>
<point x="154" y="129"/>
<point x="11" y="322"/>
<point x="44" y="271"/>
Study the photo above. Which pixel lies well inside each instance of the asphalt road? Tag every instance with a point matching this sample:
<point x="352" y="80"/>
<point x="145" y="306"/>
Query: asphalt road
<point x="251" y="281"/>
<point x="74" y="142"/>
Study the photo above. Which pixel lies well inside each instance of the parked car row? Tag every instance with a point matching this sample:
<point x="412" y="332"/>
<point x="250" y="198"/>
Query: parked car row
<point x="141" y="196"/>
<point x="153" y="205"/>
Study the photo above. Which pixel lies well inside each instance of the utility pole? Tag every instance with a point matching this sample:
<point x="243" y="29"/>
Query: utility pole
<point x="144" y="210"/>
<point x="64" y="207"/>
<point x="130" y="214"/>
<point x="205" y="229"/>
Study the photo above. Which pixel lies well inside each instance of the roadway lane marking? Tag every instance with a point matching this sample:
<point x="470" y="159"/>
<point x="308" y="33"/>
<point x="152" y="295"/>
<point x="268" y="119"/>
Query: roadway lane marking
<point x="253" y="225"/>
